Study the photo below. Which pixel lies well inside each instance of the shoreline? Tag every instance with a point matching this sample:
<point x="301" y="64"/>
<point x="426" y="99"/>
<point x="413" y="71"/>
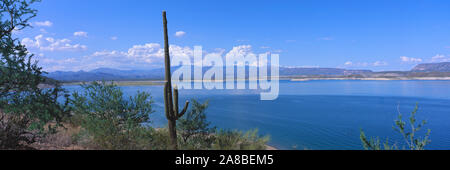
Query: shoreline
<point x="161" y="82"/>
<point x="374" y="79"/>
<point x="270" y="148"/>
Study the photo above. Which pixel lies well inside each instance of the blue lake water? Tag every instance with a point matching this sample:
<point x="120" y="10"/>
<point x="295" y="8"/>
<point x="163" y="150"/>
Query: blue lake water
<point x="321" y="114"/>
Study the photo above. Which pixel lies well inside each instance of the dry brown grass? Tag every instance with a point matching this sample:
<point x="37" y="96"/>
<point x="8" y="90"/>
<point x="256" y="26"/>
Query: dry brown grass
<point x="62" y="140"/>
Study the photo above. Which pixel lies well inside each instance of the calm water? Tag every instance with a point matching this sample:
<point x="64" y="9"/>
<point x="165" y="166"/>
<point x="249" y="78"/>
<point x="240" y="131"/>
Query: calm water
<point x="322" y="114"/>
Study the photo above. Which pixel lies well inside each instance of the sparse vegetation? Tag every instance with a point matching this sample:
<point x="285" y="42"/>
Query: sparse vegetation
<point x="27" y="112"/>
<point x="238" y="140"/>
<point x="411" y="141"/>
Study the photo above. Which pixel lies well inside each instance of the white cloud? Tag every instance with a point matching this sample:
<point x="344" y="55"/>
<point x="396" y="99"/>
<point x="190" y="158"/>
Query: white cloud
<point x="358" y="64"/>
<point x="180" y="33"/>
<point x="150" y="53"/>
<point x="107" y="53"/>
<point x="365" y="64"/>
<point x="114" y="38"/>
<point x="80" y="34"/>
<point x="50" y="44"/>
<point x="144" y="56"/>
<point x="238" y="52"/>
<point x="410" y="59"/>
<point x="43" y="24"/>
<point x="380" y="63"/>
<point x="440" y="58"/>
<point x="51" y="64"/>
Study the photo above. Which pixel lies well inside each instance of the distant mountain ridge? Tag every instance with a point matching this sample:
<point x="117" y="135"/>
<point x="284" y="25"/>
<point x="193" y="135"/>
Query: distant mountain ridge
<point x="289" y="71"/>
<point x="108" y="74"/>
<point x="158" y="74"/>
<point x="433" y="67"/>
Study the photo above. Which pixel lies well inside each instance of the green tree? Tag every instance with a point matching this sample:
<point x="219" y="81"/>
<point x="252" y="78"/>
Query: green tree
<point x="111" y="120"/>
<point x="195" y="131"/>
<point x="411" y="140"/>
<point x="25" y="106"/>
<point x="194" y="122"/>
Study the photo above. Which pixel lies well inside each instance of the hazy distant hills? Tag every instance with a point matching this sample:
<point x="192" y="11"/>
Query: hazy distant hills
<point x="158" y="74"/>
<point x="421" y="70"/>
<point x="296" y="71"/>
<point x="107" y="74"/>
<point x="433" y="67"/>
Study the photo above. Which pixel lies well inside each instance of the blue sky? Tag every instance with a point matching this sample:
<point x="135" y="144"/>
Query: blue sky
<point x="72" y="35"/>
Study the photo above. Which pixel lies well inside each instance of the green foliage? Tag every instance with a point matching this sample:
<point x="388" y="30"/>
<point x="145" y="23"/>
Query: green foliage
<point x="412" y="142"/>
<point x="25" y="107"/>
<point x="197" y="134"/>
<point x="375" y="144"/>
<point x="110" y="120"/>
<point x="195" y="130"/>
<point x="237" y="140"/>
<point x="194" y="123"/>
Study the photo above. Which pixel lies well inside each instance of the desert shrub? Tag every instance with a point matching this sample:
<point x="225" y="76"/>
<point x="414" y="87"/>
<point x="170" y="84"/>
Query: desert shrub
<point x="61" y="140"/>
<point x="160" y="139"/>
<point x="26" y="107"/>
<point x="196" y="133"/>
<point x="195" y="130"/>
<point x="237" y="140"/>
<point x="411" y="141"/>
<point x="109" y="120"/>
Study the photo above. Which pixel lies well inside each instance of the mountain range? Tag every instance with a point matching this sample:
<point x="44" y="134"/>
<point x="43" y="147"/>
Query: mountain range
<point x="421" y="70"/>
<point x="433" y="67"/>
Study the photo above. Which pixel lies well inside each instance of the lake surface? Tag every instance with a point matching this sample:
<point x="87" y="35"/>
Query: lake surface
<point x="322" y="114"/>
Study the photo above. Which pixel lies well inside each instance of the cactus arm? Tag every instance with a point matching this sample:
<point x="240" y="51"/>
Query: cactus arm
<point x="175" y="99"/>
<point x="184" y="109"/>
<point x="176" y="109"/>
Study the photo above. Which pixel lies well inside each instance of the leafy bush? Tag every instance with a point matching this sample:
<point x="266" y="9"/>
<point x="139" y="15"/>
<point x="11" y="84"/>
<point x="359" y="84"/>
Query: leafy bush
<point x="195" y="130"/>
<point x="196" y="133"/>
<point x="194" y="124"/>
<point x="109" y="120"/>
<point x="412" y="142"/>
<point x="26" y="108"/>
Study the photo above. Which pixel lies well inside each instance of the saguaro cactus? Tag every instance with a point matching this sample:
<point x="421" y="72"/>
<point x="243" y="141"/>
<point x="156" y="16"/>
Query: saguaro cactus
<point x="171" y="106"/>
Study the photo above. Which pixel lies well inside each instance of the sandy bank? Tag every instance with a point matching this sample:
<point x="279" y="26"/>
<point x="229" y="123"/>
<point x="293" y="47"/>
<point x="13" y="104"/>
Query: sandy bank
<point x="376" y="79"/>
